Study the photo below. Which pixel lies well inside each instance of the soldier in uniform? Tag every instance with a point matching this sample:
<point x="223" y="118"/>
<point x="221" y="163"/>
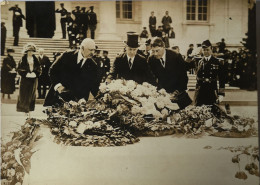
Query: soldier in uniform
<point x="17" y="22"/>
<point x="84" y="21"/>
<point x="130" y="65"/>
<point x="210" y="70"/>
<point x="92" y="21"/>
<point x="72" y="32"/>
<point x="63" y="18"/>
<point x="76" y="13"/>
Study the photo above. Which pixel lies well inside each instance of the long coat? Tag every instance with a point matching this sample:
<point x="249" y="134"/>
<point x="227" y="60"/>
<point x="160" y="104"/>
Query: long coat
<point x="174" y="76"/>
<point x="45" y="63"/>
<point x="79" y="82"/>
<point x="140" y="71"/>
<point x="209" y="73"/>
<point x="7" y="78"/>
<point x="28" y="86"/>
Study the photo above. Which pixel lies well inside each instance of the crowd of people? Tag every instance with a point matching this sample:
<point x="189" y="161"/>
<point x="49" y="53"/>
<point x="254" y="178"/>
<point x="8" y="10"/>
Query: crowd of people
<point x="78" y="27"/>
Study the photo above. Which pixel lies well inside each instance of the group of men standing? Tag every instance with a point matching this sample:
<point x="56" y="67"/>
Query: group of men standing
<point x="76" y="74"/>
<point x="78" y="27"/>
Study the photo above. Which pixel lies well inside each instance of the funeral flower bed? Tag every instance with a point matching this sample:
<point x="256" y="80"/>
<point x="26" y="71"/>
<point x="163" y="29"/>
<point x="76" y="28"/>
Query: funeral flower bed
<point x="121" y="113"/>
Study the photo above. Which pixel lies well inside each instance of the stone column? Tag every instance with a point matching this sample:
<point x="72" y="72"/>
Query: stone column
<point x="107" y="21"/>
<point x="23" y="31"/>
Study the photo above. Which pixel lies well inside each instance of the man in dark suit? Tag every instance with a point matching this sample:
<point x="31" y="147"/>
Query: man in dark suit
<point x="76" y="13"/>
<point x="152" y="24"/>
<point x="209" y="72"/>
<point x="44" y="79"/>
<point x="3" y="38"/>
<point x="130" y="65"/>
<point x="169" y="69"/>
<point x="74" y="75"/>
<point x="17" y="22"/>
<point x="166" y="21"/>
<point x="92" y="21"/>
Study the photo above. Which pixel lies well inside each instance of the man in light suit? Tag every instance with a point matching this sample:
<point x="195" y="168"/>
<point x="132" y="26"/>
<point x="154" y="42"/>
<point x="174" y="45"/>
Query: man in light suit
<point x="169" y="69"/>
<point x="130" y="65"/>
<point x="74" y="75"/>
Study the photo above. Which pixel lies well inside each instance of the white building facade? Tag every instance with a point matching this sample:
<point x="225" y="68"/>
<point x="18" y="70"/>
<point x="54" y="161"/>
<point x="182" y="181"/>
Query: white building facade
<point x="193" y="20"/>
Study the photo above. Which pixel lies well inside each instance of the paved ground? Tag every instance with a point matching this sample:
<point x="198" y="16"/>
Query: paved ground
<point x="153" y="161"/>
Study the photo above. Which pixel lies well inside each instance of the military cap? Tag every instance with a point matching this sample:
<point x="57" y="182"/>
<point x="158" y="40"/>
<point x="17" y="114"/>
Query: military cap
<point x="206" y="44"/>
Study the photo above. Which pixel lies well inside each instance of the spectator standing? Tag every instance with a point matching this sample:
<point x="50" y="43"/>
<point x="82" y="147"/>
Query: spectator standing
<point x="189" y="52"/>
<point x="76" y="13"/>
<point x="29" y="69"/>
<point x="44" y="79"/>
<point x="166" y="21"/>
<point x="222" y="46"/>
<point x="106" y="63"/>
<point x="159" y="31"/>
<point x="85" y="22"/>
<point x="3" y="38"/>
<point x="63" y="19"/>
<point x="152" y="24"/>
<point x="8" y="74"/>
<point x="92" y="21"/>
<point x="17" y="22"/>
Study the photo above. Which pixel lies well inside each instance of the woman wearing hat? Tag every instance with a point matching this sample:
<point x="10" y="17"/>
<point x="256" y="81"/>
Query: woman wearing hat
<point x="8" y="74"/>
<point x="29" y="69"/>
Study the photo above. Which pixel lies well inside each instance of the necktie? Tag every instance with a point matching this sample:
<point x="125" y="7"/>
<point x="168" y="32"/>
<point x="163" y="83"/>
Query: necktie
<point x="130" y="63"/>
<point x="163" y="63"/>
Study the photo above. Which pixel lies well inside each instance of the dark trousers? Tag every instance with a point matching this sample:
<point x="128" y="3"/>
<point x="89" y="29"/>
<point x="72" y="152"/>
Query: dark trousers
<point x="63" y="28"/>
<point x="92" y="31"/>
<point x="2" y="47"/>
<point x="42" y="90"/>
<point x="16" y="35"/>
<point x="152" y="31"/>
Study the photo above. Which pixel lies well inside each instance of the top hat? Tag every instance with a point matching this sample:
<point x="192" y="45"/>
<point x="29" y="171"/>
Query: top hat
<point x="10" y="50"/>
<point x="132" y="40"/>
<point x="206" y="44"/>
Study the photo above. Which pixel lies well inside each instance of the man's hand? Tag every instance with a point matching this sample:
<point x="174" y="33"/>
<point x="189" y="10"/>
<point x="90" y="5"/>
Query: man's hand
<point x="60" y="89"/>
<point x="220" y="98"/>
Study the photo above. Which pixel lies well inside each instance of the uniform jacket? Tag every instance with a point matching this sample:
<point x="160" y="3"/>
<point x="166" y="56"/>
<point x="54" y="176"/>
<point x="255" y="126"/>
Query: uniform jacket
<point x="63" y="12"/>
<point x="140" y="71"/>
<point x="173" y="76"/>
<point x="209" y="73"/>
<point x="92" y="18"/>
<point x="17" y="19"/>
<point x="78" y="81"/>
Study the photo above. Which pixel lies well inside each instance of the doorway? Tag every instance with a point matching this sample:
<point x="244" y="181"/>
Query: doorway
<point x="40" y="19"/>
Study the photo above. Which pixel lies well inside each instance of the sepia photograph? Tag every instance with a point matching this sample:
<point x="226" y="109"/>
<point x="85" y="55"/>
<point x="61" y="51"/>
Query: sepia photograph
<point x="137" y="92"/>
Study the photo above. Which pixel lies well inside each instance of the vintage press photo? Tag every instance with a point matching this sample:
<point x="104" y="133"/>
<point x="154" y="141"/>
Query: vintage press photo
<point x="129" y="92"/>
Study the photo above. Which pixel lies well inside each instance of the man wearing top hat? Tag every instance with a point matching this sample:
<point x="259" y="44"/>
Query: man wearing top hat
<point x="63" y="18"/>
<point x="130" y="65"/>
<point x="74" y="75"/>
<point x="169" y="69"/>
<point x="92" y="21"/>
<point x="17" y="22"/>
<point x="209" y="72"/>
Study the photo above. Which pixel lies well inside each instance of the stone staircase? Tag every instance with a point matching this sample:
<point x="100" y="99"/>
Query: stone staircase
<point x="60" y="45"/>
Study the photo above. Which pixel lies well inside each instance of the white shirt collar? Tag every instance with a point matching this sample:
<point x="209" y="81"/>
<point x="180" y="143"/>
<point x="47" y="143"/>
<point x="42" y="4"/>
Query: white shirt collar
<point x="132" y="59"/>
<point x="208" y="58"/>
<point x="80" y="56"/>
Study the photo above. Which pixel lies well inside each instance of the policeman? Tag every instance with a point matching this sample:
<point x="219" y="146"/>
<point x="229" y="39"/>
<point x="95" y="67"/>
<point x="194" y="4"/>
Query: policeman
<point x="209" y="71"/>
<point x="63" y="12"/>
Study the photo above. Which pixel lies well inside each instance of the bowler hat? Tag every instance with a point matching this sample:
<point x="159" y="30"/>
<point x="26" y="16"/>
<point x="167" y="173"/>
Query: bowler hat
<point x="10" y="50"/>
<point x="206" y="44"/>
<point x="132" y="40"/>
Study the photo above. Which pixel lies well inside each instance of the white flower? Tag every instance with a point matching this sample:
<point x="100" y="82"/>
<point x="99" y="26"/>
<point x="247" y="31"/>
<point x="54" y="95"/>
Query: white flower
<point x="247" y="128"/>
<point x="73" y="103"/>
<point x="160" y="104"/>
<point x="82" y="101"/>
<point x="81" y="128"/>
<point x="165" y="112"/>
<point x="73" y="123"/>
<point x="208" y="123"/>
<point x="136" y="109"/>
<point x="4" y="165"/>
<point x="131" y="85"/>
<point x="103" y="87"/>
<point x="240" y="128"/>
<point x="66" y="131"/>
<point x="10" y="172"/>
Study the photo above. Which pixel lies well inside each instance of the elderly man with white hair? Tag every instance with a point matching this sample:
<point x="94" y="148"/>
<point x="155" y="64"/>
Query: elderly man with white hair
<point x="74" y="75"/>
<point x="44" y="79"/>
